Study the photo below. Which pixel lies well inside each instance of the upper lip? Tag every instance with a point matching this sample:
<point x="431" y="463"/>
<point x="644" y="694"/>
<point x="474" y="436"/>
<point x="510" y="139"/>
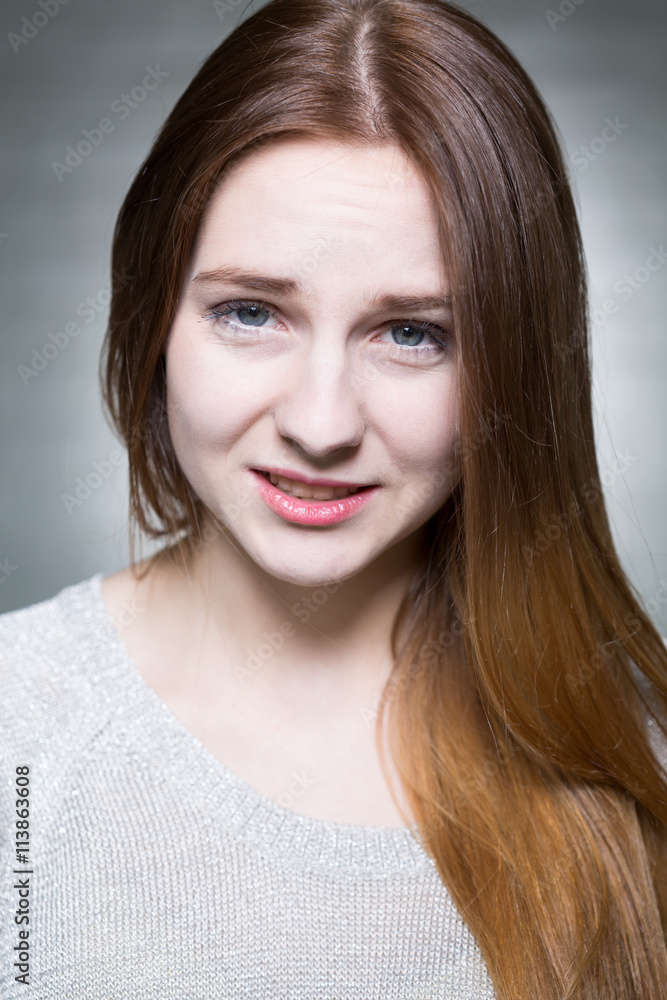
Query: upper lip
<point x="299" y="477"/>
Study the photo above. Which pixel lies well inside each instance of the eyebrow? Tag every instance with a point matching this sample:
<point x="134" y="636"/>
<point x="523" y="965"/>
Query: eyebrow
<point x="292" y="287"/>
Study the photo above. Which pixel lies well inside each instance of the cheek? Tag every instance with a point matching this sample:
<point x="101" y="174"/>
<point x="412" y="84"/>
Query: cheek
<point x="419" y="422"/>
<point x="208" y="403"/>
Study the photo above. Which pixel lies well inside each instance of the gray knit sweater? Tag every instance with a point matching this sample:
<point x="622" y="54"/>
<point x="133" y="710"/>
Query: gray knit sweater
<point x="152" y="871"/>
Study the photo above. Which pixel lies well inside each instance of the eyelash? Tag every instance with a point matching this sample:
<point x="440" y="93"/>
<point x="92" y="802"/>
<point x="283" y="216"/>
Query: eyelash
<point x="437" y="333"/>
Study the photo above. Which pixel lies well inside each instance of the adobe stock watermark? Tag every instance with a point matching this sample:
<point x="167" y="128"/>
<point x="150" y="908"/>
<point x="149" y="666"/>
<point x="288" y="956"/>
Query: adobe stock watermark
<point x="300" y="783"/>
<point x="413" y="495"/>
<point x="255" y="660"/>
<point x="396" y="684"/>
<point x="121" y="108"/>
<point x="431" y="653"/>
<point x="323" y="247"/>
<point x="127" y="614"/>
<point x="590" y="491"/>
<point x="31" y="26"/>
<point x="87" y="310"/>
<point x="84" y="489"/>
<point x="566" y="9"/>
<point x="152" y="427"/>
<point x="606" y="651"/>
<point x="225" y="7"/>
<point x="625" y="287"/>
<point x="582" y="157"/>
<point x="629" y="284"/>
<point x="394" y="181"/>
<point x="304" y="611"/>
<point x="6" y="570"/>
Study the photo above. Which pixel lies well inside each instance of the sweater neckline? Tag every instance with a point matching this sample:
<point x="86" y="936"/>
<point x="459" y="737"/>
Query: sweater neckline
<point x="177" y="752"/>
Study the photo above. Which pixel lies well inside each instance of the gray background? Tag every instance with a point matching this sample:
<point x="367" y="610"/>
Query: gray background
<point x="594" y="60"/>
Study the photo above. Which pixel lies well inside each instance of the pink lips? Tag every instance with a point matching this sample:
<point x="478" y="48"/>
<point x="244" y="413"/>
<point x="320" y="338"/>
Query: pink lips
<point x="298" y="477"/>
<point x="312" y="512"/>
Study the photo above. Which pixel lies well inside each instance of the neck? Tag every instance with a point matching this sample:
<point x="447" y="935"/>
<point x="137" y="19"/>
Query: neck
<point x="276" y="632"/>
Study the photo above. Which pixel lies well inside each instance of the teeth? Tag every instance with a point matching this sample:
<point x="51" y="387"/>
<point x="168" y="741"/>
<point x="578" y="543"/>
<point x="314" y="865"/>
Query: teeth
<point x="306" y="492"/>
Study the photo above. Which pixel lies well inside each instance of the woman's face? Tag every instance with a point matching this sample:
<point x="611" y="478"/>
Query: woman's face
<point x="291" y="351"/>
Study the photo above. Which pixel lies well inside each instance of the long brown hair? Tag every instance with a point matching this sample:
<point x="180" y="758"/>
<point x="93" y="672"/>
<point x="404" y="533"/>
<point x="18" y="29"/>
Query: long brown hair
<point x="524" y="663"/>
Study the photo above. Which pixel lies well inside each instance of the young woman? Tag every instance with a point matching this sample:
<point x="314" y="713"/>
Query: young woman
<point x="383" y="717"/>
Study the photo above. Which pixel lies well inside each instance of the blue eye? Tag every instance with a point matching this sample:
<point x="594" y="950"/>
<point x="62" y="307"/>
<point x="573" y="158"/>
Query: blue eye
<point x="251" y="314"/>
<point x="408" y="334"/>
<point x="409" y="330"/>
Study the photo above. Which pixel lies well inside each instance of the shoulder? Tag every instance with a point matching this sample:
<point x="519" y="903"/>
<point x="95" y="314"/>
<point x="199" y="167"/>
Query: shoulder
<point x="44" y="672"/>
<point x="54" y="671"/>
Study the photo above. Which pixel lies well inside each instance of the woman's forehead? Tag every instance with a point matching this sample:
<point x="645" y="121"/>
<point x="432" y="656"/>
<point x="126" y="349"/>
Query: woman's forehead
<point x="306" y="154"/>
<point x="290" y="197"/>
<point x="297" y="175"/>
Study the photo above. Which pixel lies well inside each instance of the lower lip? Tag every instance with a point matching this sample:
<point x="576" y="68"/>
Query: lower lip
<point x="313" y="512"/>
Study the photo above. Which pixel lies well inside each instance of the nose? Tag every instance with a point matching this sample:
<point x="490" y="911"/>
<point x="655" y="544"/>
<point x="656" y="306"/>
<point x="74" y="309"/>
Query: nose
<point x="319" y="409"/>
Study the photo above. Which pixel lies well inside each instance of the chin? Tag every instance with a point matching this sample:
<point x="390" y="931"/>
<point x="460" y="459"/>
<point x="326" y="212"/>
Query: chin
<point x="306" y="570"/>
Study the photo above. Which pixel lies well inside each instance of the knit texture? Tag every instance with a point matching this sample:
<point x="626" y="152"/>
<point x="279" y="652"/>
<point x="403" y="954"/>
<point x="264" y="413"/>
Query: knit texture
<point x="155" y="872"/>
